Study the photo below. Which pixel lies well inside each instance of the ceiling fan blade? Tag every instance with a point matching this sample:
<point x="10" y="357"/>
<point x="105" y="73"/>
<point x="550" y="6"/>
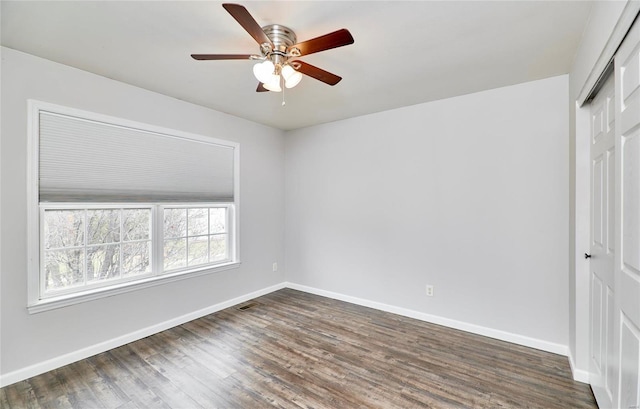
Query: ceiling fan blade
<point x="221" y="56"/>
<point x="247" y="22"/>
<point x="326" y="42"/>
<point x="261" y="88"/>
<point x="317" y="73"/>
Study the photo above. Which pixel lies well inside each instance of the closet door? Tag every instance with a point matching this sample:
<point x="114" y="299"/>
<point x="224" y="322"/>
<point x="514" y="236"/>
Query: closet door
<point x="603" y="361"/>
<point x="627" y="259"/>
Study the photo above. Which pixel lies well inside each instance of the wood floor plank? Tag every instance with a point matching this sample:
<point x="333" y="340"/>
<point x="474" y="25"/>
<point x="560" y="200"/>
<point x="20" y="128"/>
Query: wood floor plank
<point x="201" y="391"/>
<point x="49" y="392"/>
<point x="4" y="402"/>
<point x="22" y="396"/>
<point x="134" y="387"/>
<point x="128" y="356"/>
<point x="297" y="350"/>
<point x="77" y="391"/>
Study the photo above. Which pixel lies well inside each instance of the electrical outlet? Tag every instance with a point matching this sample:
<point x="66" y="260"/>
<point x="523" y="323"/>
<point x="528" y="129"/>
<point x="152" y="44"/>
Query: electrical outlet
<point x="275" y="267"/>
<point x="429" y="290"/>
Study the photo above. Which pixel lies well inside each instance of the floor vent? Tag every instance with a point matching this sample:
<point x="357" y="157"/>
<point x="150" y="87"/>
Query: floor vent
<point x="244" y="307"/>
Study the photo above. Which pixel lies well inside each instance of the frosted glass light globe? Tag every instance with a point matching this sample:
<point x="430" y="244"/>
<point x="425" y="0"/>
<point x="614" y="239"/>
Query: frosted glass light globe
<point x="291" y="76"/>
<point x="263" y="71"/>
<point x="273" y="84"/>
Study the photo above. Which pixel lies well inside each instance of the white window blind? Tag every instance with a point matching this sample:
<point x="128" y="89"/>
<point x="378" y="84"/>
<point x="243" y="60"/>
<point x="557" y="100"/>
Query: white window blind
<point x="82" y="160"/>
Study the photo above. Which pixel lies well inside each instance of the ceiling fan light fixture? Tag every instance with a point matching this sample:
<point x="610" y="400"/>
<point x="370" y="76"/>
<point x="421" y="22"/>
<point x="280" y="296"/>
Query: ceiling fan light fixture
<point x="291" y="76"/>
<point x="263" y="71"/>
<point x="293" y="81"/>
<point x="273" y="84"/>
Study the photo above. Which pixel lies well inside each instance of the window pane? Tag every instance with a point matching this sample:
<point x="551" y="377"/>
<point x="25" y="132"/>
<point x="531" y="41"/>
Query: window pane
<point x="175" y="223"/>
<point x="136" y="224"/>
<point x="175" y="254"/>
<point x="218" y="247"/>
<point x="103" y="262"/>
<point x="104" y="226"/>
<point x="198" y="222"/>
<point x="198" y="250"/>
<point x="218" y="220"/>
<point x="63" y="228"/>
<point x="63" y="268"/>
<point x="136" y="258"/>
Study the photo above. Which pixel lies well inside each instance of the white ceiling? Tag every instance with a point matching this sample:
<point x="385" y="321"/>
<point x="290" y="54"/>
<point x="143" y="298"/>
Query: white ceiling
<point x="404" y="53"/>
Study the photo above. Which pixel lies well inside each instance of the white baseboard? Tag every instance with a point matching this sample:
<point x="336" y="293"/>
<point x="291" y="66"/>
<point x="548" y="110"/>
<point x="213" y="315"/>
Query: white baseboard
<point x="579" y="375"/>
<point x="57" y="362"/>
<point x="434" y="319"/>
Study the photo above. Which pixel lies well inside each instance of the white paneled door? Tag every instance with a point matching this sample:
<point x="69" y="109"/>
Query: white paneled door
<point x="614" y="370"/>
<point x="627" y="259"/>
<point x="603" y="316"/>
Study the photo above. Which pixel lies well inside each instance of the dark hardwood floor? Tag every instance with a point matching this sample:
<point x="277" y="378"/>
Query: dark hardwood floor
<point x="293" y="349"/>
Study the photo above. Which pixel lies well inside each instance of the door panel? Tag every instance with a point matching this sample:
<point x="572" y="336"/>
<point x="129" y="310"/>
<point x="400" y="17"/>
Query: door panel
<point x="631" y="192"/>
<point x="631" y="74"/>
<point x="628" y="296"/>
<point x="611" y="195"/>
<point x="610" y="330"/>
<point x="630" y="365"/>
<point x="597" y="203"/>
<point x="597" y="328"/>
<point x="627" y="262"/>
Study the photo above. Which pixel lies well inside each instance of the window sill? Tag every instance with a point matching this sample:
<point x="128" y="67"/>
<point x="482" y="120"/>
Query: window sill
<point x="84" y="296"/>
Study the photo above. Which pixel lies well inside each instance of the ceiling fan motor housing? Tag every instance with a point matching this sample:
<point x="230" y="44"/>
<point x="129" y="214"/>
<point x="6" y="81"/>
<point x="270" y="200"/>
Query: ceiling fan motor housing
<point x="282" y="38"/>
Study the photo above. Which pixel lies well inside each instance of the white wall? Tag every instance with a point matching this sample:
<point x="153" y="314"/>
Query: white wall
<point x="603" y="19"/>
<point x="33" y="339"/>
<point x="469" y="194"/>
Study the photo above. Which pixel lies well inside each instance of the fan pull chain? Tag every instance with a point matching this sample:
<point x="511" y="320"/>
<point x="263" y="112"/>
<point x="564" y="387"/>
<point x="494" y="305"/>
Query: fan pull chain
<point x="283" y="87"/>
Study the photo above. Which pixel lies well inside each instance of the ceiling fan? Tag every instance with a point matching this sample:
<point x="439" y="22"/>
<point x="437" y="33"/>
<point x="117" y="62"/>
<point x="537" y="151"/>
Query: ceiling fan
<point x="279" y="51"/>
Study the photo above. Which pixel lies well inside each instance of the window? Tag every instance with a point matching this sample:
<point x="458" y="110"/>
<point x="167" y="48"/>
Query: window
<point x="117" y="205"/>
<point x="93" y="246"/>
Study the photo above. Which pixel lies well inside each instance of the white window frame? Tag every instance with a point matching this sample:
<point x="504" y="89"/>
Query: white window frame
<point x="37" y="300"/>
